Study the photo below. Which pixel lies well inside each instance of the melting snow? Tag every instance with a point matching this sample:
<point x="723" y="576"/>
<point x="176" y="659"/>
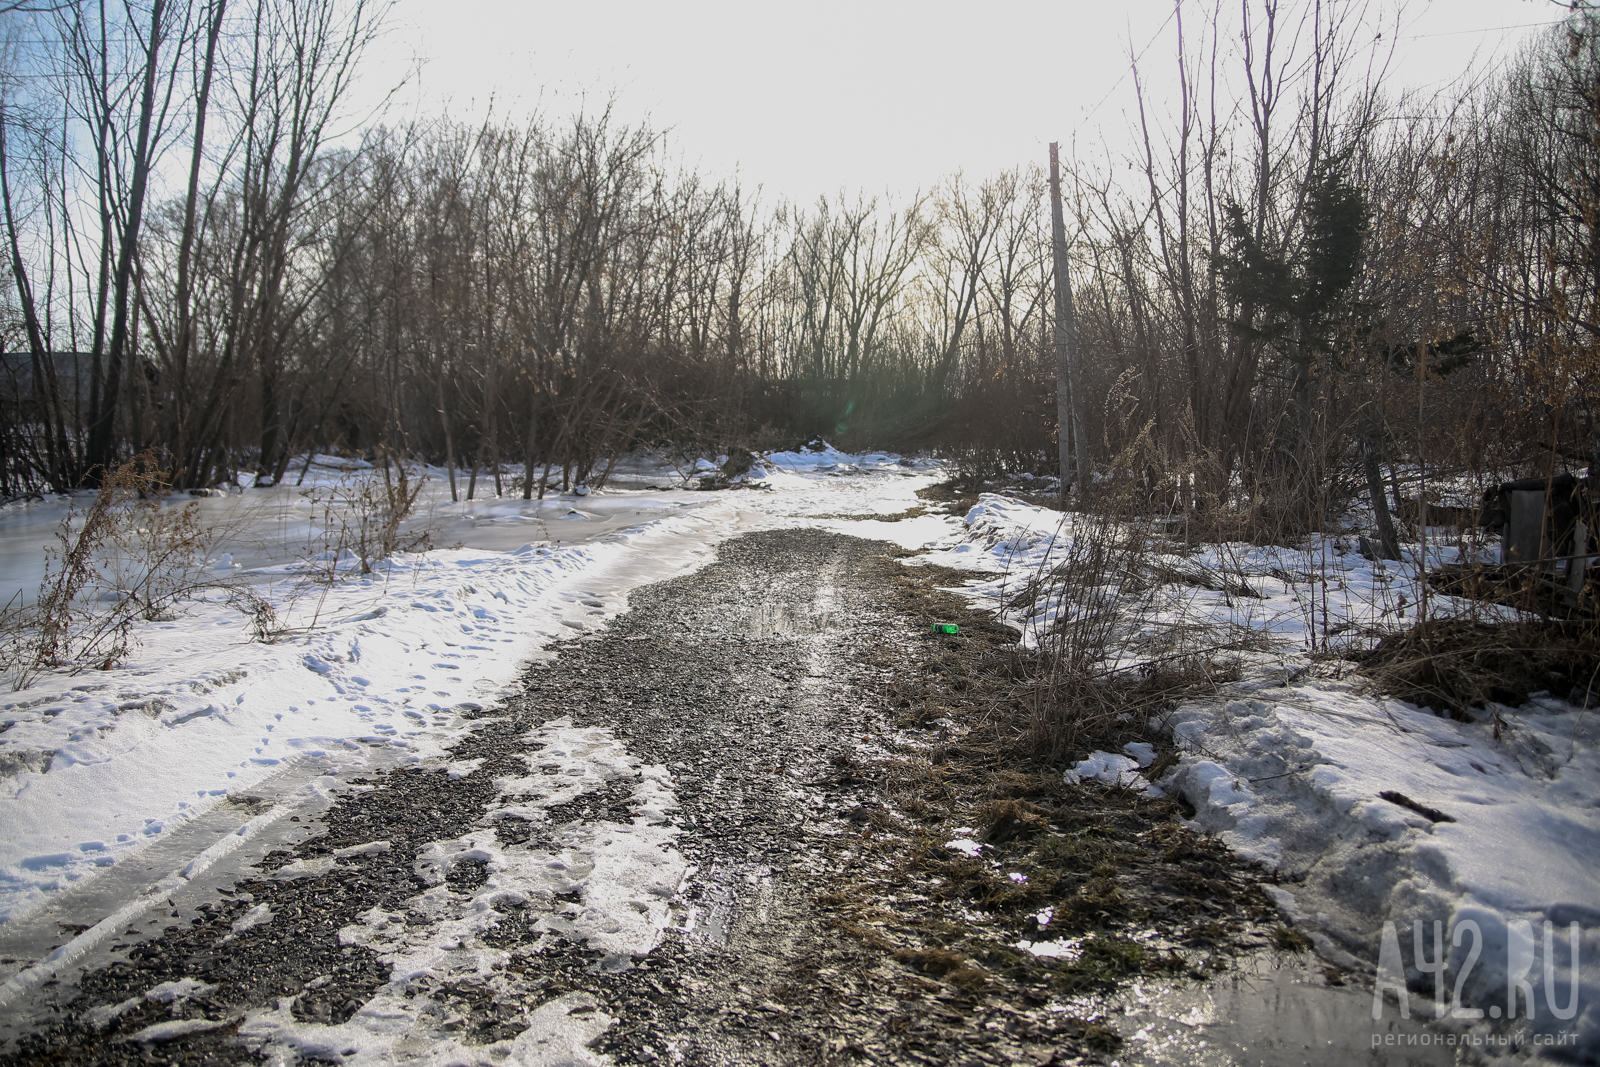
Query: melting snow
<point x="1288" y="767"/>
<point x="626" y="878"/>
<point x="381" y="667"/>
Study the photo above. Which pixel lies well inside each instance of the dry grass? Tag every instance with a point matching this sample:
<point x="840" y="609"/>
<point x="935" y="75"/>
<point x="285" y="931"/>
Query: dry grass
<point x="1529" y="590"/>
<point x="1112" y="874"/>
<point x="952" y="499"/>
<point x="1100" y="863"/>
<point x="123" y="559"/>
<point x="951" y="966"/>
<point x="364" y="520"/>
<point x="1107" y="594"/>
<point x="1458" y="665"/>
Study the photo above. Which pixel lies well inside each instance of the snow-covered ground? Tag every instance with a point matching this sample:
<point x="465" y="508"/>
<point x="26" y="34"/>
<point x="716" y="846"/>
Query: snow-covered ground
<point x="1289" y="765"/>
<point x="371" y="669"/>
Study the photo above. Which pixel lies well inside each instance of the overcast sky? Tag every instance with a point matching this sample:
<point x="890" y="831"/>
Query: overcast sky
<point x="808" y="98"/>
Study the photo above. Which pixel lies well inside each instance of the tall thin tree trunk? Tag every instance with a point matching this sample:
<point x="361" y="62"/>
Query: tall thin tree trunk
<point x="532" y="443"/>
<point x="184" y="329"/>
<point x="1389" y="544"/>
<point x="102" y="430"/>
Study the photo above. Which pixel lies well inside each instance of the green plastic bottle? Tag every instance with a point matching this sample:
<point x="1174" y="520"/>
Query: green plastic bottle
<point x="946" y="628"/>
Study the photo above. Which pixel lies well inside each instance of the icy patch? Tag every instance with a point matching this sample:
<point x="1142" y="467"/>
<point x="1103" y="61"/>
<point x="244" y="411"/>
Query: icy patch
<point x="461" y="768"/>
<point x="99" y="1018"/>
<point x="303" y="869"/>
<point x="172" y="992"/>
<point x="176" y="1028"/>
<point x="626" y="874"/>
<point x="437" y="859"/>
<point x="259" y="915"/>
<point x="1112" y="769"/>
<point x="1067" y="948"/>
<point x="560" y="1032"/>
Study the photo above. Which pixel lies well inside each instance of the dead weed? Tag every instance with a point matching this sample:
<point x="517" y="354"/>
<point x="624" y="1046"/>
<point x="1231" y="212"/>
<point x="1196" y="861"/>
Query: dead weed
<point x="1109" y="870"/>
<point x="1457" y="665"/>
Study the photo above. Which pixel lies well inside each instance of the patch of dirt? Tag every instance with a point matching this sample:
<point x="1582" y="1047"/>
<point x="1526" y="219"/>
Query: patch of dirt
<point x="898" y="516"/>
<point x="955" y="501"/>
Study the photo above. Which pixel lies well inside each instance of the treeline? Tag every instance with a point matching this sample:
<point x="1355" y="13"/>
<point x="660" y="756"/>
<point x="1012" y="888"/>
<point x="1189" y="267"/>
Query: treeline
<point x="545" y="293"/>
<point x="1309" y="281"/>
<point x="1299" y="283"/>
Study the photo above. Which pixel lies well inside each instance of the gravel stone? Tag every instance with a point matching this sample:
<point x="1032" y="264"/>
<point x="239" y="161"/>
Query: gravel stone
<point x="738" y="679"/>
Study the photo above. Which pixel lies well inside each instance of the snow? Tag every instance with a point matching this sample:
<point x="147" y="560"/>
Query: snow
<point x="370" y="670"/>
<point x="626" y="876"/>
<point x="384" y="1031"/>
<point x="1111" y="769"/>
<point x="1287" y="765"/>
<point x="1293" y="779"/>
<point x="1066" y="948"/>
<point x="182" y="989"/>
<point x="176" y="1028"/>
<point x="165" y="993"/>
<point x="1290" y="596"/>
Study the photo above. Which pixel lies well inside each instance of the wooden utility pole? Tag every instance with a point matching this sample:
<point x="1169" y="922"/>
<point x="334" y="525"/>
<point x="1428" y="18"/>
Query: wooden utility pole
<point x="1422" y="488"/>
<point x="1069" y="382"/>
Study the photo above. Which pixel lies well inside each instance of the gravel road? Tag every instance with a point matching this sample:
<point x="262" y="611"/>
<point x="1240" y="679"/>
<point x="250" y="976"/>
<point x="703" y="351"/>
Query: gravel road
<point x="619" y="861"/>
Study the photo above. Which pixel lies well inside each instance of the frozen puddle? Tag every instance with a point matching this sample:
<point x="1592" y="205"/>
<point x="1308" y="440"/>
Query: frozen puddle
<point x="1269" y="1010"/>
<point x="722" y="898"/>
<point x="610" y="885"/>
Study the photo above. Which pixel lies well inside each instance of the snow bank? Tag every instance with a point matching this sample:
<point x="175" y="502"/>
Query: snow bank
<point x="1379" y="812"/>
<point x="829" y="460"/>
<point x="1370" y="811"/>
